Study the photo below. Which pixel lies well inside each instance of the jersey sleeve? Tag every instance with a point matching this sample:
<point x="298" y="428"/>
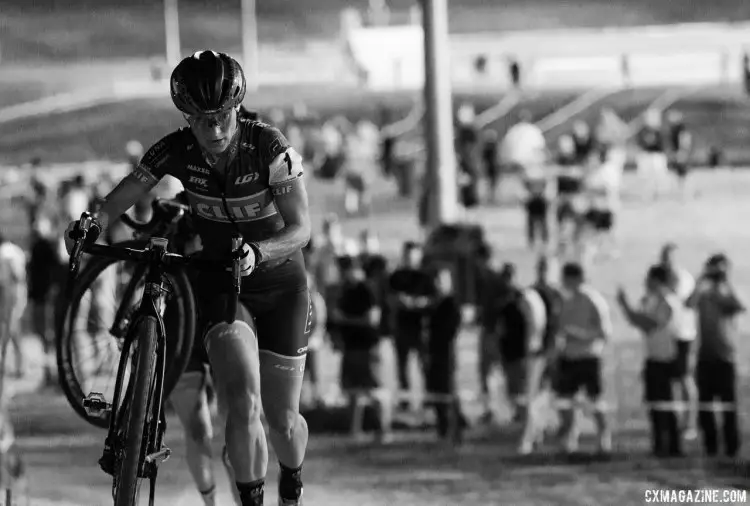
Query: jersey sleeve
<point x="284" y="163"/>
<point x="159" y="161"/>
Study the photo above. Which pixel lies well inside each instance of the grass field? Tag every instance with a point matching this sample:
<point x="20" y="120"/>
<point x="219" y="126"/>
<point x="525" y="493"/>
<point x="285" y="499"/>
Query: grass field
<point x="51" y="30"/>
<point x="62" y="451"/>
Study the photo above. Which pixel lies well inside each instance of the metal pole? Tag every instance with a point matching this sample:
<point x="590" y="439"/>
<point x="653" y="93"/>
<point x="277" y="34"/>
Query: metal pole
<point x="250" y="44"/>
<point x="172" y="32"/>
<point x="441" y="158"/>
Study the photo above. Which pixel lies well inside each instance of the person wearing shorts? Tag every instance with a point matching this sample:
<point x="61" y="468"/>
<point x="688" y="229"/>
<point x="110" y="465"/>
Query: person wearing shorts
<point x="241" y="177"/>
<point x="585" y="326"/>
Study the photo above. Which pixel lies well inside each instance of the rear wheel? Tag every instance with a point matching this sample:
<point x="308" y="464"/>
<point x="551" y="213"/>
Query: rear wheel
<point x="88" y="352"/>
<point x="137" y="406"/>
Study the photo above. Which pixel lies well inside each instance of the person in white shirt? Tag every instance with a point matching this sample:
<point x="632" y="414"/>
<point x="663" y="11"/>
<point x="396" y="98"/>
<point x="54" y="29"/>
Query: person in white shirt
<point x="524" y="149"/>
<point x="658" y="319"/>
<point x="13" y="298"/>
<point x="682" y="284"/>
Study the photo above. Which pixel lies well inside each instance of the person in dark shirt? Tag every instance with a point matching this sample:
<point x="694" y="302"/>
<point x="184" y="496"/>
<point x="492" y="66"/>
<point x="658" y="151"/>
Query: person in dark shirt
<point x="584" y="142"/>
<point x="411" y="290"/>
<point x="490" y="159"/>
<point x="444" y="325"/>
<point x="718" y="306"/>
<point x="357" y="317"/>
<point x="680" y="147"/>
<point x="653" y="167"/>
<point x="45" y="271"/>
<point x="375" y="267"/>
<point x="511" y="326"/>
<point x="569" y="195"/>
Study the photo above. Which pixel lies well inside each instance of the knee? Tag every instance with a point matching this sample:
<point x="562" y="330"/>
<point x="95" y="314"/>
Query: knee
<point x="243" y="407"/>
<point x="283" y="421"/>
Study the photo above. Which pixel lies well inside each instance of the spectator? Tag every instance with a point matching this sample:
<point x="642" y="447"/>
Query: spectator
<point x="467" y="150"/>
<point x="652" y="160"/>
<point x="541" y="362"/>
<point x="45" y="270"/>
<point x="718" y="306"/>
<point x="524" y="145"/>
<point x="444" y="325"/>
<point x="583" y="141"/>
<point x="659" y="320"/>
<point x="316" y="341"/>
<point x="329" y="247"/>
<point x="13" y="298"/>
<point x="514" y="69"/>
<point x="585" y="326"/>
<point x="411" y="290"/>
<point x="375" y="266"/>
<point x="357" y="317"/>
<point x="680" y="148"/>
<point x="570" y="189"/>
<point x="512" y="325"/>
<point x="682" y="284"/>
<point x="489" y="352"/>
<point x="491" y="160"/>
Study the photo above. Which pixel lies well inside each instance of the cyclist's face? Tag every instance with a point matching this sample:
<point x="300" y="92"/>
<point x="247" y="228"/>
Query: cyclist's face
<point x="214" y="132"/>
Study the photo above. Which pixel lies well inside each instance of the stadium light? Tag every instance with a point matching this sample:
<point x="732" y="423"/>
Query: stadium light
<point x="441" y="158"/>
<point x="250" y="43"/>
<point x="172" y="32"/>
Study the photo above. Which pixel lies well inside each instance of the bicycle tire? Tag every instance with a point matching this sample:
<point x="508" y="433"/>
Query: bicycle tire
<point x="180" y="346"/>
<point x="130" y="462"/>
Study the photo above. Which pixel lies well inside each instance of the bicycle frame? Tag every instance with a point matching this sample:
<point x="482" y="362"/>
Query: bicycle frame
<point x="154" y="258"/>
<point x="152" y="304"/>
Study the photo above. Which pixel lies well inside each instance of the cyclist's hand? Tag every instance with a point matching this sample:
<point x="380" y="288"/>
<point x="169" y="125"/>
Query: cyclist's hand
<point x="91" y="236"/>
<point x="248" y="262"/>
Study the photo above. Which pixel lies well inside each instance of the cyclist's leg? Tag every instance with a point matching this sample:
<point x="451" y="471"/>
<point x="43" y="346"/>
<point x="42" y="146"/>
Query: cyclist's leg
<point x="233" y="354"/>
<point x="283" y="333"/>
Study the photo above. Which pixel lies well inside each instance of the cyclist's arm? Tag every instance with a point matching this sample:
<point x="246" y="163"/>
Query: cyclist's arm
<point x="124" y="196"/>
<point x="290" y="195"/>
<point x="156" y="163"/>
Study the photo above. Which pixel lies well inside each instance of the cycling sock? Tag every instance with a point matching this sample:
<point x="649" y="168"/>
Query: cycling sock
<point x="290" y="482"/>
<point x="251" y="494"/>
<point x="209" y="495"/>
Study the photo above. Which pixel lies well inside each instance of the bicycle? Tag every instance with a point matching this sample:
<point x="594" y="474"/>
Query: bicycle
<point x="73" y="325"/>
<point x="134" y="448"/>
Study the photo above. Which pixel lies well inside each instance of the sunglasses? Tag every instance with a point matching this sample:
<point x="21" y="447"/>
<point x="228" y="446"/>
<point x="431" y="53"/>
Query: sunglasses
<point x="220" y="119"/>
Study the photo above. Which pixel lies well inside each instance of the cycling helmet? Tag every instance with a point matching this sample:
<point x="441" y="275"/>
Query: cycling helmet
<point x="207" y="83"/>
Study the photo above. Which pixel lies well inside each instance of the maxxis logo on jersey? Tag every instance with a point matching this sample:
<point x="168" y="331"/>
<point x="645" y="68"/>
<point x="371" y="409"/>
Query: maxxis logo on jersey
<point x="200" y="170"/>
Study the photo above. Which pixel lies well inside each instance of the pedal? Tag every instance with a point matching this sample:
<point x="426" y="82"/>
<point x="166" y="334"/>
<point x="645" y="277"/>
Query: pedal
<point x="159" y="457"/>
<point x="96" y="405"/>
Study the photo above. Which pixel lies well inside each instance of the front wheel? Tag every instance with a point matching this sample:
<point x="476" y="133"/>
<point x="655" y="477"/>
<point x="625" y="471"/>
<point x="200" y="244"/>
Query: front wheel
<point x="137" y="405"/>
<point x="88" y="353"/>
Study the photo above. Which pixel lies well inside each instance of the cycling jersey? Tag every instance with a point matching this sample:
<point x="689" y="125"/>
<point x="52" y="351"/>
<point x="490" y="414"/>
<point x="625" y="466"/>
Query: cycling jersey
<point x="235" y="193"/>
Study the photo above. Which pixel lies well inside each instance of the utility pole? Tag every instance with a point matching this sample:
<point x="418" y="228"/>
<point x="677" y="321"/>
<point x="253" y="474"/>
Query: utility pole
<point x="250" y="44"/>
<point x="441" y="158"/>
<point x="172" y="32"/>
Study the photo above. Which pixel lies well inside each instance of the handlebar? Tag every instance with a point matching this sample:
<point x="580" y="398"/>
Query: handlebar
<point x="156" y="253"/>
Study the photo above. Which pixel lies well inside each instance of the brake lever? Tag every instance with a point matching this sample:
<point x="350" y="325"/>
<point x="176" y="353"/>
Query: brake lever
<point x="237" y="244"/>
<point x="81" y="230"/>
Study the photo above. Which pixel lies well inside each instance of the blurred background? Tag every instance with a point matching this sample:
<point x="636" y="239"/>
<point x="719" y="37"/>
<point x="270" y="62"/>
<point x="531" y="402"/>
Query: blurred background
<point x="84" y="92"/>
